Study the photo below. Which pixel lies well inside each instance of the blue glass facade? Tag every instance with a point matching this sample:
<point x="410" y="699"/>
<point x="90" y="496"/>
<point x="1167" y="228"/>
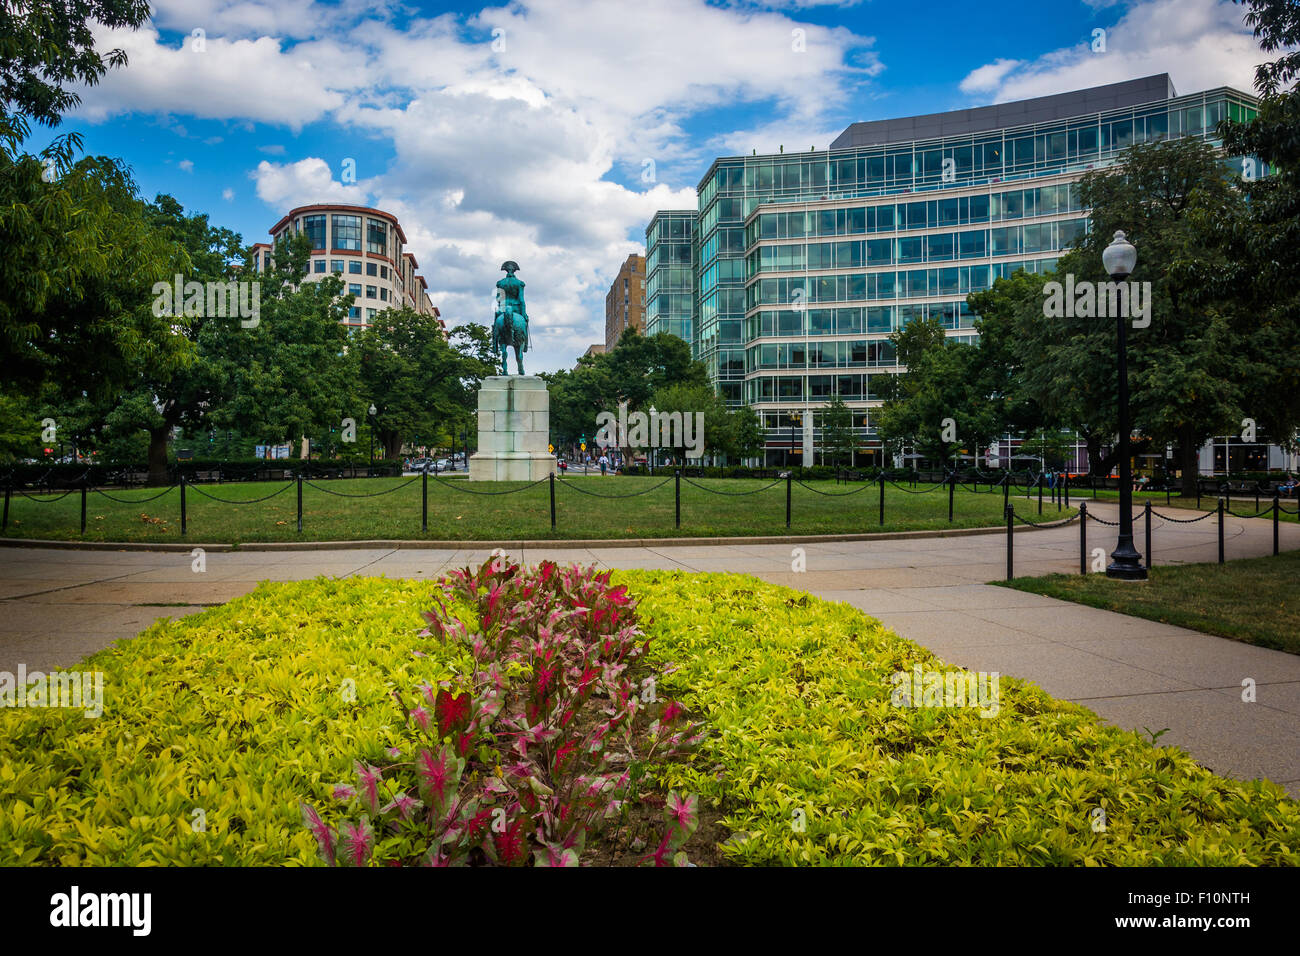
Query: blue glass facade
<point x="806" y="263"/>
<point x="670" y="275"/>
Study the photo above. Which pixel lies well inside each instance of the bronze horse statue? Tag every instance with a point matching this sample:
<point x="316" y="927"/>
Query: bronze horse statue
<point x="510" y="323"/>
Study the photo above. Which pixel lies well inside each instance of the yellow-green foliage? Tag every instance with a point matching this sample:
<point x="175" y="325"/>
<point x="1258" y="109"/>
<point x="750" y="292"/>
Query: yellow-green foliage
<point x="242" y="711"/>
<point x="797" y="694"/>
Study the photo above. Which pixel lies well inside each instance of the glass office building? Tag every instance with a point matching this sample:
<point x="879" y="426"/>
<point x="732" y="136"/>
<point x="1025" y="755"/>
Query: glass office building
<point x="805" y="263"/>
<point x="670" y="274"/>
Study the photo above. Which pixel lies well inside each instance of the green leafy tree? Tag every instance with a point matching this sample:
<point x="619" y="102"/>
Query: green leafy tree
<point x="1187" y="367"/>
<point x="838" y="437"/>
<point x="420" y="381"/>
<point x="941" y="404"/>
<point x="1260" y="272"/>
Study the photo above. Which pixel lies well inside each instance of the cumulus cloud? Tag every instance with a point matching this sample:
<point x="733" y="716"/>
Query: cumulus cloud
<point x="1202" y="44"/>
<point x="186" y="165"/>
<point x="519" y="132"/>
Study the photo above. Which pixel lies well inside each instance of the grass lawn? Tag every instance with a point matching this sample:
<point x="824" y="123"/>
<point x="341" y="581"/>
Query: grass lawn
<point x="456" y="512"/>
<point x="237" y="712"/>
<point x="1255" y="600"/>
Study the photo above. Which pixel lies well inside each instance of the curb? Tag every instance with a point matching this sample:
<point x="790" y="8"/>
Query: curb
<point x="536" y="544"/>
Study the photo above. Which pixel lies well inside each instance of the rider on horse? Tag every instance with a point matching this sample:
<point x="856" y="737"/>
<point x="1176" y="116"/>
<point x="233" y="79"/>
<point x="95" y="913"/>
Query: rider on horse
<point x="510" y="324"/>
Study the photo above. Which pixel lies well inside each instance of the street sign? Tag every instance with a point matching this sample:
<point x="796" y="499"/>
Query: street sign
<point x="551" y="449"/>
<point x="584" y="446"/>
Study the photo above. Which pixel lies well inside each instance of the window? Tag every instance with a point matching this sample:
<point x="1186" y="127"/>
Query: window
<point x="377" y="236"/>
<point x="370" y="314"/>
<point x="347" y="233"/>
<point x="372" y="269"/>
<point x="318" y="265"/>
<point x="314" y="227"/>
<point x="354" y="288"/>
<point x="354" y="312"/>
<point x="336" y="265"/>
<point x="383" y="272"/>
<point x="383" y="295"/>
<point x="371" y="292"/>
<point x="354" y="268"/>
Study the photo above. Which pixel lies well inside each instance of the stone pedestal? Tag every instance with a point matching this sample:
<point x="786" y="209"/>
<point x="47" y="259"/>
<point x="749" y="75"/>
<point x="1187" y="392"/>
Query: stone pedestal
<point x="514" y="417"/>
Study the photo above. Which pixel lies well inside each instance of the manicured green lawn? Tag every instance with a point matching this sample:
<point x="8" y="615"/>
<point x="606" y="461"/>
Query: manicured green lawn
<point x="1255" y="600"/>
<point x="236" y="714"/>
<point x="464" y="511"/>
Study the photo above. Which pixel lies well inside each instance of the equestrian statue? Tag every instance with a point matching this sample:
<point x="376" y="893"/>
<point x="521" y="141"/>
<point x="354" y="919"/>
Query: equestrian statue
<point x="510" y="324"/>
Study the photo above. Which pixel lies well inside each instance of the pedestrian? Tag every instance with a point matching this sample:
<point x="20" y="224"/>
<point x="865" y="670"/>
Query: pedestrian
<point x="604" y="464"/>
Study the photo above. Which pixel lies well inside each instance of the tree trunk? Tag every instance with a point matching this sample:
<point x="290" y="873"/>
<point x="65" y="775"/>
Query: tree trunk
<point x="158" y="455"/>
<point x="1189" y="453"/>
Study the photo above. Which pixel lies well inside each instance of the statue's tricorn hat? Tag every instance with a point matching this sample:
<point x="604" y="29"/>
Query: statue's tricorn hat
<point x="510" y="266"/>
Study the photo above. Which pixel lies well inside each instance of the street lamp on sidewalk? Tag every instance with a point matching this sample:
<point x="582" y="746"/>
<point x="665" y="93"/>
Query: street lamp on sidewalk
<point x="1119" y="258"/>
<point x="373" y="412"/>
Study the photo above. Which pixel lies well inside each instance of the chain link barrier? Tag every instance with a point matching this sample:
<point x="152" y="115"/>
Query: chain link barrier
<point x="134" y="501"/>
<point x="344" y="494"/>
<point x="635" y="494"/>
<point x="731" y="494"/>
<point x="229" y="501"/>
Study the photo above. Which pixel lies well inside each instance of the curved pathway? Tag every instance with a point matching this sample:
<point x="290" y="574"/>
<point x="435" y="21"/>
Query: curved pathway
<point x="58" y="604"/>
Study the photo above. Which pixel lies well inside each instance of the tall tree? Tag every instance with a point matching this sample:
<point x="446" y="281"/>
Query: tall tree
<point x="420" y="381"/>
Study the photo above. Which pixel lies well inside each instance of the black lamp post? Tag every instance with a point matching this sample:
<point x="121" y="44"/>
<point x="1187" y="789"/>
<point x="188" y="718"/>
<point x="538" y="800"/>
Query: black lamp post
<point x="793" y="420"/>
<point x="374" y="412"/>
<point x="1119" y="258"/>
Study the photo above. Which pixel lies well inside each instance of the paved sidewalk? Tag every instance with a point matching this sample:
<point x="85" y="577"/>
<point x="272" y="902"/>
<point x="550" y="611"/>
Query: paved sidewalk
<point x="57" y="605"/>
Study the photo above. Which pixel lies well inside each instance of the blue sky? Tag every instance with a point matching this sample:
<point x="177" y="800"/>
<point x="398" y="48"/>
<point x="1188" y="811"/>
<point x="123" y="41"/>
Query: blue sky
<point x="527" y="131"/>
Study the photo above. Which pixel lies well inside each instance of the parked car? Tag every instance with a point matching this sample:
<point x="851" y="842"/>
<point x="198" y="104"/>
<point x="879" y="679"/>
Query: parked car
<point x="444" y="464"/>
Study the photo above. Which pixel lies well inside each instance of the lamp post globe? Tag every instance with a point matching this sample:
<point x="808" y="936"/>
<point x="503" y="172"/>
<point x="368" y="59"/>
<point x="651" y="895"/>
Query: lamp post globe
<point x="1119" y="259"/>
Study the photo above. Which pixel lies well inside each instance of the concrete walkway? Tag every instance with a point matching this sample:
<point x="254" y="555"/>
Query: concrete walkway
<point x="58" y="605"/>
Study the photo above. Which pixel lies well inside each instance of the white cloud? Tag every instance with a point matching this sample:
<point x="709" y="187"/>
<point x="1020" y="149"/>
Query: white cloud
<point x="988" y="77"/>
<point x="499" y="153"/>
<point x="187" y="165"/>
<point x="1202" y="44"/>
<point x="228" y="194"/>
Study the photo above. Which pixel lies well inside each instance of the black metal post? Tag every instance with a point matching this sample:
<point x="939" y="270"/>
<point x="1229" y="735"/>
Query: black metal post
<point x="551" y="483"/>
<point x="1040" y="493"/>
<point x="1006" y="491"/>
<point x="300" y="503"/>
<point x="1125" y="561"/>
<point x="1274" y="520"/>
<point x="184" y="529"/>
<point x="677" y="495"/>
<point x="1067" y="489"/>
<point x="1220" y="530"/>
<point x="952" y="490"/>
<point x="787" y="499"/>
<point x="1009" y="511"/>
<point x="424" y="502"/>
<point x="1083" y="539"/>
<point x="1147" y="539"/>
<point x="882" y="499"/>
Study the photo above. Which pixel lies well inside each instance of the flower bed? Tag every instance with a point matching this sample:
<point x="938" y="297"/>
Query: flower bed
<point x="217" y="726"/>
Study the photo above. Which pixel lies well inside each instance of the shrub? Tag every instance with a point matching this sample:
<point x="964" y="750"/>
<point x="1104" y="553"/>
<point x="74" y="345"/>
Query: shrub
<point x="536" y="749"/>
